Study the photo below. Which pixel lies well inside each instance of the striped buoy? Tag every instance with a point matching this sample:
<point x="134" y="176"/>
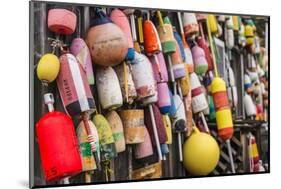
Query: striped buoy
<point x="190" y="24"/>
<point x="108" y="150"/>
<point x="61" y="21"/>
<point x="199" y="102"/>
<point x="133" y="121"/>
<point x="178" y="65"/>
<point x="48" y="68"/>
<point x="179" y="123"/>
<point x="81" y="51"/>
<point x="199" y="59"/>
<point x="108" y="88"/>
<point x="166" y="36"/>
<point x="107" y="42"/>
<point x="121" y="20"/>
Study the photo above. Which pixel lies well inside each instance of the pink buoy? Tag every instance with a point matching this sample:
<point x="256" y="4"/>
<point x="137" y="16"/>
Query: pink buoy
<point x="199" y="59"/>
<point x="162" y="68"/>
<point x="164" y="100"/>
<point x="144" y="149"/>
<point x="61" y="21"/>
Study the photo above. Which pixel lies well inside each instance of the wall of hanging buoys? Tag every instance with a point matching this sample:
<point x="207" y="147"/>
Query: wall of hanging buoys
<point x="123" y="94"/>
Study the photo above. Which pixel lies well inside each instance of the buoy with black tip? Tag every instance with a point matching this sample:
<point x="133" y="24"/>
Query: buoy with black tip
<point x="107" y="42"/>
<point x="223" y="112"/>
<point x="121" y="20"/>
<point x="88" y="160"/>
<point x="108" y="88"/>
<point x="201" y="153"/>
<point x="76" y="94"/>
<point x="57" y="144"/>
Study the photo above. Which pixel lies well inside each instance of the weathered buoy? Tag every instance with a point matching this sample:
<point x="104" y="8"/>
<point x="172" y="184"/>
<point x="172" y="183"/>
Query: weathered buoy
<point x="249" y="106"/>
<point x="164" y="101"/>
<point x="107" y="42"/>
<point x="168" y="127"/>
<point x="144" y="149"/>
<point x="179" y="123"/>
<point x="117" y="130"/>
<point x="159" y="70"/>
<point x="61" y="21"/>
<point x="108" y="87"/>
<point x="199" y="59"/>
<point x="81" y="51"/>
<point x="166" y="36"/>
<point x="190" y="24"/>
<point x="73" y="86"/>
<point x="133" y="121"/>
<point x="178" y="65"/>
<point x="48" y="68"/>
<point x="107" y="146"/>
<point x="57" y="144"/>
<point x="229" y="33"/>
<point x="121" y="20"/>
<point x="200" y="153"/>
<point x="199" y="102"/>
<point x="151" y="39"/>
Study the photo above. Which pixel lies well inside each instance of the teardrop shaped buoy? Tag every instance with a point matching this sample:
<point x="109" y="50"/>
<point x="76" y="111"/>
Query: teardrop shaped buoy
<point x="61" y="21"/>
<point x="199" y="102"/>
<point x="199" y="59"/>
<point x="48" y="68"/>
<point x="168" y="127"/>
<point x="190" y="24"/>
<point x="121" y="20"/>
<point x="125" y="77"/>
<point x="107" y="43"/>
<point x="200" y="153"/>
<point x="73" y="86"/>
<point x="108" y="150"/>
<point x="133" y="121"/>
<point x="117" y="130"/>
<point x="110" y="95"/>
<point x="151" y="39"/>
<point x="143" y="76"/>
<point x="166" y="36"/>
<point x="144" y="149"/>
<point x="88" y="161"/>
<point x="81" y="51"/>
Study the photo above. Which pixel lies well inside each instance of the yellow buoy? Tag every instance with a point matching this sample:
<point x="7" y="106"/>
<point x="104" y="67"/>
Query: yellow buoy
<point x="200" y="153"/>
<point x="249" y="34"/>
<point x="213" y="23"/>
<point x="48" y="68"/>
<point x="168" y="127"/>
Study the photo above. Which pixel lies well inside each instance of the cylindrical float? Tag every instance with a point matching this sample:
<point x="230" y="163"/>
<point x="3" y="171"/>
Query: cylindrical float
<point x="213" y="23"/>
<point x="249" y="106"/>
<point x="159" y="69"/>
<point x="166" y="36"/>
<point x="229" y="33"/>
<point x="178" y="65"/>
<point x="249" y="34"/>
<point x="108" y="87"/>
<point x="199" y="59"/>
<point x="151" y="38"/>
<point x="144" y="149"/>
<point x="164" y="101"/>
<point x="190" y="24"/>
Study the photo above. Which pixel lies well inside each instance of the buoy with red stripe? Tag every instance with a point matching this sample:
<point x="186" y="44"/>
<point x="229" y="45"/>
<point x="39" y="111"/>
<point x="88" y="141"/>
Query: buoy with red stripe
<point x="116" y="125"/>
<point x="61" y="21"/>
<point x="48" y="68"/>
<point x="121" y="20"/>
<point x="199" y="102"/>
<point x="190" y="24"/>
<point x="108" y="88"/>
<point x="107" y="42"/>
<point x="253" y="154"/>
<point x="81" y="51"/>
<point x="75" y="93"/>
<point x="188" y="55"/>
<point x="199" y="59"/>
<point x="88" y="160"/>
<point x="127" y="85"/>
<point x="107" y="143"/>
<point x="57" y="144"/>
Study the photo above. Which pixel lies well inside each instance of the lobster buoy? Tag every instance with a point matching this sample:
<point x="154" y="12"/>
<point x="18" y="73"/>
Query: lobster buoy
<point x="236" y="23"/>
<point x="249" y="106"/>
<point x="117" y="130"/>
<point x="199" y="102"/>
<point x="185" y="83"/>
<point x="257" y="45"/>
<point x="253" y="150"/>
<point x="178" y="65"/>
<point x="73" y="86"/>
<point x="144" y="149"/>
<point x="121" y="20"/>
<point x="253" y="76"/>
<point x="180" y="43"/>
<point x="190" y="24"/>
<point x="61" y="21"/>
<point x="248" y="84"/>
<point x="173" y="109"/>
<point x="133" y="121"/>
<point x="221" y="18"/>
<point x="231" y="88"/>
<point x="200" y="153"/>
<point x="151" y="99"/>
<point x="188" y="113"/>
<point x="151" y="38"/>
<point x="107" y="43"/>
<point x="199" y="59"/>
<point x="201" y="16"/>
<point x="223" y="112"/>
<point x="163" y="75"/>
<point x="249" y="34"/>
<point x="164" y="101"/>
<point x="241" y="35"/>
<point x="48" y="68"/>
<point x="212" y="110"/>
<point x="143" y="78"/>
<point x="110" y="95"/>
<point x="213" y="23"/>
<point x="229" y="33"/>
<point x="81" y="51"/>
<point x="125" y="77"/>
<point x="108" y="150"/>
<point x="168" y="127"/>
<point x="166" y="36"/>
<point x="57" y="144"/>
<point x="179" y="123"/>
<point x="88" y="161"/>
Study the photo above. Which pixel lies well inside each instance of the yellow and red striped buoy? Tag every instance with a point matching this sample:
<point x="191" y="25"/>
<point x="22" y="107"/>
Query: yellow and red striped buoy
<point x="223" y="113"/>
